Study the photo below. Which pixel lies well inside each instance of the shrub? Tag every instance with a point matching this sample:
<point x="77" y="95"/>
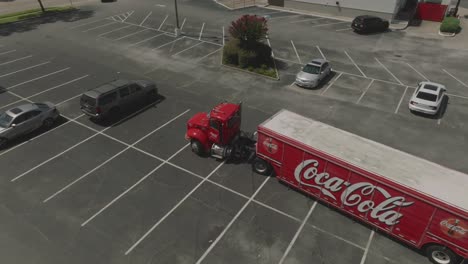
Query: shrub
<point x="450" y="25"/>
<point x="230" y="52"/>
<point x="247" y="58"/>
<point x="249" y="29"/>
<point x="264" y="52"/>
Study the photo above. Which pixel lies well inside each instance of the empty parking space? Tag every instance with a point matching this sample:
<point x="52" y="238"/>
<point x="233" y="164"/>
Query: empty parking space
<point x="238" y="177"/>
<point x="123" y="30"/>
<point x="438" y="75"/>
<point x="403" y="72"/>
<point x="95" y="191"/>
<point x="384" y="250"/>
<point x="26" y="78"/>
<point x="283" y="50"/>
<point x="192" y="27"/>
<point x="348" y="88"/>
<point x="457" y="112"/>
<point x="143" y="207"/>
<point x="254" y="237"/>
<point x="370" y="66"/>
<point x="339" y="61"/>
<point x="383" y="96"/>
<point x="200" y="51"/>
<point x="156" y="41"/>
<point x="212" y="34"/>
<point x="176" y="46"/>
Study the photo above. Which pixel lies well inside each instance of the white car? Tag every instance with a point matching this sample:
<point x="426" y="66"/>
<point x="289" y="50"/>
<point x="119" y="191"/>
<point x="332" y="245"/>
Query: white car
<point x="313" y="73"/>
<point x="427" y="98"/>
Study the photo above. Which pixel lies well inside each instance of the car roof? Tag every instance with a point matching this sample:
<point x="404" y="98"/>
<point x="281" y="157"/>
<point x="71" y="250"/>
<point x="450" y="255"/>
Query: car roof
<point x="317" y="62"/>
<point x="430" y="87"/>
<point x="107" y="87"/>
<point x="17" y="110"/>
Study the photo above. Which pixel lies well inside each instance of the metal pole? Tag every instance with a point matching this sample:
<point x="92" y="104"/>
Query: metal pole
<point x="177" y="18"/>
<point x="456" y="8"/>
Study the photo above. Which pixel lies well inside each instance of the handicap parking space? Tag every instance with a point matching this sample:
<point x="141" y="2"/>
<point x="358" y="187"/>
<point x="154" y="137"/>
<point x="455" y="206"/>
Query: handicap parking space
<point x="254" y="237"/>
<point x="383" y="96"/>
<point x="348" y="88"/>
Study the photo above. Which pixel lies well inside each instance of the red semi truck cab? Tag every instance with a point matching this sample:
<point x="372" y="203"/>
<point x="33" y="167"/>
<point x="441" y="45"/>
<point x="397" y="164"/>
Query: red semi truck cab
<point x="416" y="201"/>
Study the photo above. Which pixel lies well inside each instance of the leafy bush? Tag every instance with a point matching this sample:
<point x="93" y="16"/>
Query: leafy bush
<point x="249" y="29"/>
<point x="450" y="25"/>
<point x="247" y="58"/>
<point x="230" y="52"/>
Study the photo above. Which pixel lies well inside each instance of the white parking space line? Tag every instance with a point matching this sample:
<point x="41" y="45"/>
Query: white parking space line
<point x="6" y="52"/>
<point x="15" y="60"/>
<point x="401" y="100"/>
<point x="170" y="42"/>
<point x="187" y="48"/>
<point x="351" y="59"/>
<point x="209" y="54"/>
<point x="117" y="29"/>
<point x="160" y="26"/>
<point x="25" y="69"/>
<point x="343" y="29"/>
<point x="363" y="93"/>
<point x="201" y="31"/>
<point x="141" y="41"/>
<point x="458" y="80"/>
<point x="363" y="260"/>
<point x="422" y="75"/>
<point x="110" y="23"/>
<point x="37" y="78"/>
<point x="46" y="90"/>
<point x="88" y="23"/>
<point x="172" y="210"/>
<point x="131" y="34"/>
<point x="329" y="24"/>
<point x="326" y="89"/>
<point x="132" y="187"/>
<point x="131" y="13"/>
<point x="321" y="52"/>
<point x="454" y="95"/>
<point x="149" y="14"/>
<point x="381" y="64"/>
<point x="231" y="222"/>
<point x="183" y="23"/>
<point x="111" y="158"/>
<point x="269" y="44"/>
<point x="297" y="54"/>
<point x="306" y="20"/>
<point x="120" y="19"/>
<point x="297" y="233"/>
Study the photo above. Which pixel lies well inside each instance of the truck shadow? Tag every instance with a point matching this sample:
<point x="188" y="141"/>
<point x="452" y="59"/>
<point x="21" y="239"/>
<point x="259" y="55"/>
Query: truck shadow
<point x="129" y="113"/>
<point x="49" y="17"/>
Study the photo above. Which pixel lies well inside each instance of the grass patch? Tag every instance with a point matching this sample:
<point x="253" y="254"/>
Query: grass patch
<point x="18" y="16"/>
<point x="450" y="25"/>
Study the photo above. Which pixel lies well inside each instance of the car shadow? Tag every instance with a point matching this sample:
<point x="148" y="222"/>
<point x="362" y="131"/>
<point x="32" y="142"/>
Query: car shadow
<point x="128" y="113"/>
<point x="19" y="140"/>
<point x="322" y="83"/>
<point x="48" y="17"/>
<point x="443" y="108"/>
<point x="373" y="33"/>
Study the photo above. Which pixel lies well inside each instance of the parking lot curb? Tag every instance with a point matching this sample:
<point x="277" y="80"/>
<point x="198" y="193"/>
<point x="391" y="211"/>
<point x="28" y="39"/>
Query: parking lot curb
<point x="246" y="71"/>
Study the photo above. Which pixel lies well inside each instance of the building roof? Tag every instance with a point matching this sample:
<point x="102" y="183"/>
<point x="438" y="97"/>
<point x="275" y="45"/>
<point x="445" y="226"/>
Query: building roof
<point x="421" y="175"/>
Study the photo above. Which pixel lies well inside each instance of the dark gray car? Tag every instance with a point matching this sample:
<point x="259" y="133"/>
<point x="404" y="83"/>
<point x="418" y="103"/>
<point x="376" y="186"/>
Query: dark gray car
<point x="26" y="118"/>
<point x="113" y="97"/>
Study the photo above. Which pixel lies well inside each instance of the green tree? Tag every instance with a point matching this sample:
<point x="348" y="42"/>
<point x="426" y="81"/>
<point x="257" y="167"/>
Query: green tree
<point x="249" y="29"/>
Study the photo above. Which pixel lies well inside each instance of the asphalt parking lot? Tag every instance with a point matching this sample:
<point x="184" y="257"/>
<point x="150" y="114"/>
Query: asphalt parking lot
<point x="132" y="192"/>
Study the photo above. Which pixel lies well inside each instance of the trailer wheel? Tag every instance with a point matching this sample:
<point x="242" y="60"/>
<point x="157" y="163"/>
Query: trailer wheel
<point x="262" y="167"/>
<point x="441" y="255"/>
<point x="196" y="147"/>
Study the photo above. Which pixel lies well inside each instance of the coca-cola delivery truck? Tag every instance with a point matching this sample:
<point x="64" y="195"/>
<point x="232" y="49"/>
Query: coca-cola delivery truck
<point x="416" y="201"/>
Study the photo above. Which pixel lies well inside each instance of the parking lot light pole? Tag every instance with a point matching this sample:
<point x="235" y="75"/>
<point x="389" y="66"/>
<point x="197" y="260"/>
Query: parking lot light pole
<point x="177" y="19"/>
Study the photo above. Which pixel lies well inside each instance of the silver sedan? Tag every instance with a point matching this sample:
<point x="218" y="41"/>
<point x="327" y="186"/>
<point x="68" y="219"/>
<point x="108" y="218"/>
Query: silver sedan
<point x="26" y="118"/>
<point x="313" y="73"/>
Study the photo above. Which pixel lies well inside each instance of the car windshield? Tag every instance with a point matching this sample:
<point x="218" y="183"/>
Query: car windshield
<point x="5" y="120"/>
<point x="311" y="69"/>
<point x="427" y="96"/>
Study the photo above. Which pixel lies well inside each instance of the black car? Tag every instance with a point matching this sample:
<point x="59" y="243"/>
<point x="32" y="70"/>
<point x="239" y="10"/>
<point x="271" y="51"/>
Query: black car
<point x="368" y="24"/>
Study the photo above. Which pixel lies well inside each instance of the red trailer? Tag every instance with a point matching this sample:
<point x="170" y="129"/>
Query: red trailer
<point x="416" y="201"/>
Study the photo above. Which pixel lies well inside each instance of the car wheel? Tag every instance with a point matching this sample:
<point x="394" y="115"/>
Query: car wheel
<point x="3" y="142"/>
<point x="196" y="147"/>
<point x="48" y="123"/>
<point x="441" y="255"/>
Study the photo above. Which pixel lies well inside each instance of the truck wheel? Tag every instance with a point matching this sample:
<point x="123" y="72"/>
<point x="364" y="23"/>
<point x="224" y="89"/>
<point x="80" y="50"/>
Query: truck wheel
<point x="262" y="167"/>
<point x="441" y="255"/>
<point x="197" y="147"/>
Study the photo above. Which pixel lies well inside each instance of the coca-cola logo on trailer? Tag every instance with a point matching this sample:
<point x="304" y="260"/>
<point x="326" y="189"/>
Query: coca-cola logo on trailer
<point x="270" y="145"/>
<point x="357" y="194"/>
<point x="454" y="227"/>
